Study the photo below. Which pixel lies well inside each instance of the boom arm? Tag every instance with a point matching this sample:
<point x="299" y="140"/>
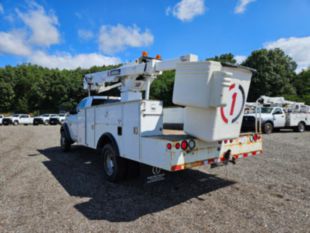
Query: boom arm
<point x="132" y="78"/>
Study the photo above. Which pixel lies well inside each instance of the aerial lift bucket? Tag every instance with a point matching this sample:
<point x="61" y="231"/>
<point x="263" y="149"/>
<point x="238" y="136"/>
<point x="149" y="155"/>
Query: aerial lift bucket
<point x="214" y="95"/>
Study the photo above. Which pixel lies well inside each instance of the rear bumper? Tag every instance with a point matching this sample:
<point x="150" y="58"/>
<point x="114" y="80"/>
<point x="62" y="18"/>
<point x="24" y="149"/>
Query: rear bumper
<point x="157" y="153"/>
<point x="215" y="161"/>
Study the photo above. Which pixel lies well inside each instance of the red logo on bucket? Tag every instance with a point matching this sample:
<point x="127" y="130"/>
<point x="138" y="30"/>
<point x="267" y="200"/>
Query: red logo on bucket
<point x="232" y="111"/>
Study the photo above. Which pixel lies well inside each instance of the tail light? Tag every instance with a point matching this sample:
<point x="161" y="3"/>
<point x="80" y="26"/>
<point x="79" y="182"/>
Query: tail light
<point x="255" y="137"/>
<point x="184" y="145"/>
<point x="169" y="146"/>
<point x="177" y="145"/>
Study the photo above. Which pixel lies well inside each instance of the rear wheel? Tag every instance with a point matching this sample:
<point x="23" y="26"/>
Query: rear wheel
<point x="64" y="142"/>
<point x="268" y="128"/>
<point x="301" y="127"/>
<point x="114" y="167"/>
<point x="15" y="123"/>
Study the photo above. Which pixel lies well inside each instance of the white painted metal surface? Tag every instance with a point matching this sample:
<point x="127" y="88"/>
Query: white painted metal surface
<point x="214" y="98"/>
<point x="173" y="116"/>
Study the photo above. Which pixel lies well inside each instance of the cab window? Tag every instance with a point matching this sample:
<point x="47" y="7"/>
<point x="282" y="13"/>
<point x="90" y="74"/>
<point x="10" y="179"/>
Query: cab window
<point x="96" y="102"/>
<point x="277" y="111"/>
<point x="81" y="105"/>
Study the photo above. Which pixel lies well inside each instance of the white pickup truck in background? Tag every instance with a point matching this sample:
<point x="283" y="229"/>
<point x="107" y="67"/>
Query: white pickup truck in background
<point x="58" y="119"/>
<point x="16" y="119"/>
<point x="43" y="119"/>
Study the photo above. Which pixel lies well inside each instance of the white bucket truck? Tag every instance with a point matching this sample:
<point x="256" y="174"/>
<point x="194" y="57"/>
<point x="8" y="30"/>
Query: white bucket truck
<point x="275" y="113"/>
<point x="129" y="128"/>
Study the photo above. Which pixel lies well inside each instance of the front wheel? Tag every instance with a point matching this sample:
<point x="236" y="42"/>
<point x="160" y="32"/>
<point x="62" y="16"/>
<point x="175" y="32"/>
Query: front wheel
<point x="301" y="127"/>
<point x="114" y="167"/>
<point x="15" y="123"/>
<point x="267" y="128"/>
<point x="64" y="142"/>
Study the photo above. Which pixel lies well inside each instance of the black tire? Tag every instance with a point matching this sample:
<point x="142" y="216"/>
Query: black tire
<point x="301" y="127"/>
<point x="64" y="142"/>
<point x="45" y="123"/>
<point x="15" y="123"/>
<point x="114" y="167"/>
<point x="267" y="128"/>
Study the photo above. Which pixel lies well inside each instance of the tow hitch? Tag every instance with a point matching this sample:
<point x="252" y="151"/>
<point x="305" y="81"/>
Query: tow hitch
<point x="225" y="159"/>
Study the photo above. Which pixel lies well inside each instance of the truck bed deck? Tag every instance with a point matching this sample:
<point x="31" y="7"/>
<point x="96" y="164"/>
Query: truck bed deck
<point x="171" y="135"/>
<point x="179" y="135"/>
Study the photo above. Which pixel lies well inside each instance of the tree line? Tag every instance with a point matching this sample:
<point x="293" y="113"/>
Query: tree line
<point x="31" y="88"/>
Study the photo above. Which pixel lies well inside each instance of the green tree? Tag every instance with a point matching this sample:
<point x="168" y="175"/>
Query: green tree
<point x="6" y="96"/>
<point x="302" y="82"/>
<point x="162" y="88"/>
<point x="275" y="73"/>
<point x="226" y="57"/>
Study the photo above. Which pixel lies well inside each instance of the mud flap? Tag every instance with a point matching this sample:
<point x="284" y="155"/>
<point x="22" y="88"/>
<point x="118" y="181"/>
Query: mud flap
<point x="149" y="175"/>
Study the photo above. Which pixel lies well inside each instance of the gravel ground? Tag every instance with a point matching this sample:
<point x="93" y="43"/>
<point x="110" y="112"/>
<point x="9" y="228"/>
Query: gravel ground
<point x="45" y="190"/>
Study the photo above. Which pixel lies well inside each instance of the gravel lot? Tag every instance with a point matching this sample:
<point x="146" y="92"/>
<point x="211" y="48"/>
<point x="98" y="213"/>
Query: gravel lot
<point x="45" y="190"/>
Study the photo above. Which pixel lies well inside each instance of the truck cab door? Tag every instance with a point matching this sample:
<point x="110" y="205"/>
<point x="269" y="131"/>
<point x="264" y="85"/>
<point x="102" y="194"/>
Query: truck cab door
<point x="23" y="119"/>
<point x="81" y="121"/>
<point x="278" y="118"/>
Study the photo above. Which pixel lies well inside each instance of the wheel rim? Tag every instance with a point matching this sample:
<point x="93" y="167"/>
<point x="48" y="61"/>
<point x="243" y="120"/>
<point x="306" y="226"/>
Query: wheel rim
<point x="301" y="128"/>
<point x="268" y="128"/>
<point x="109" y="163"/>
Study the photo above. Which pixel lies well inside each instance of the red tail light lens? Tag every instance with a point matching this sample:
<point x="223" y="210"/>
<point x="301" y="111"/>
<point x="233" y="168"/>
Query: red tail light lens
<point x="177" y="145"/>
<point x="184" y="145"/>
<point x="169" y="146"/>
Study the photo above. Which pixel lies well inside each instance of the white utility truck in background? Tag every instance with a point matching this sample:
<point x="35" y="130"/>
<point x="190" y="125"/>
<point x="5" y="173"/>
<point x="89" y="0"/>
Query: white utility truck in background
<point x="18" y="119"/>
<point x="275" y="113"/>
<point x="129" y="129"/>
<point x="43" y="119"/>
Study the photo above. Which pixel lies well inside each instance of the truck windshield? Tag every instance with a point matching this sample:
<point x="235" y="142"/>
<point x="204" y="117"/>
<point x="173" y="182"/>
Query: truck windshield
<point x="266" y="110"/>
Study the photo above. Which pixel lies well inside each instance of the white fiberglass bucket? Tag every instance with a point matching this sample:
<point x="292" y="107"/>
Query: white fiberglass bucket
<point x="214" y="96"/>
